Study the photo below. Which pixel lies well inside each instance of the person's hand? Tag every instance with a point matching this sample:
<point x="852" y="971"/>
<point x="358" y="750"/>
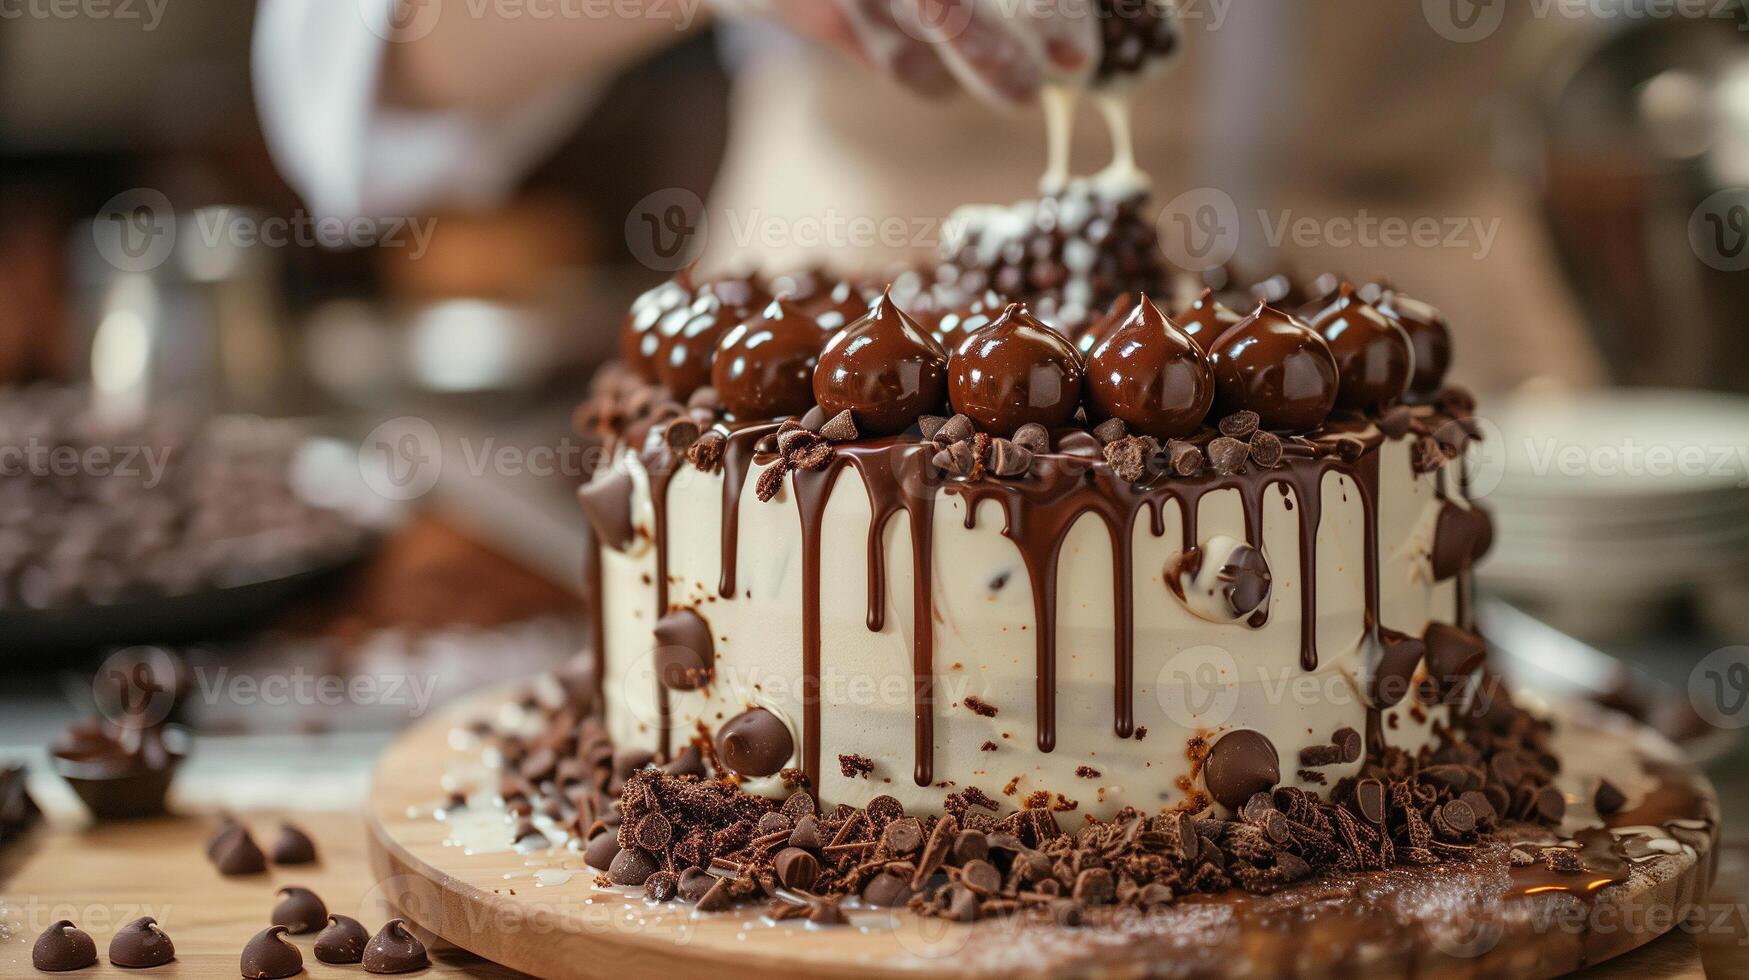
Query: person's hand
<point x="999" y="49"/>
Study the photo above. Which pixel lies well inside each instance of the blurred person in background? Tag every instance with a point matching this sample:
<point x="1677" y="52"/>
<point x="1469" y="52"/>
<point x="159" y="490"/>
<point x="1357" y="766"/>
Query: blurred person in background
<point x="1330" y="115"/>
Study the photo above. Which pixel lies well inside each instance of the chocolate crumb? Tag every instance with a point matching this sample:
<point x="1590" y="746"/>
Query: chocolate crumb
<point x="980" y="707"/>
<point x="855" y="766"/>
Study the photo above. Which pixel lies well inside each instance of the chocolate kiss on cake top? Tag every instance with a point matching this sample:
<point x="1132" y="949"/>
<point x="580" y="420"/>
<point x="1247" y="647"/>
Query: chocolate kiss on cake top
<point x="395" y="950"/>
<point x="140" y="944"/>
<point x="884" y="368"/>
<point x="343" y="941"/>
<point x="1275" y="365"/>
<point x="1206" y="319"/>
<point x="1016" y="371"/>
<point x="975" y="315"/>
<point x="269" y="957"/>
<point x="755" y="743"/>
<point x="640" y="338"/>
<point x="1373" y="356"/>
<point x="235" y="852"/>
<point x="299" y="910"/>
<point x="764" y="367"/>
<point x="293" y="847"/>
<point x="1429" y="335"/>
<point x="836" y="308"/>
<point x="689" y="340"/>
<point x="63" y="946"/>
<point x="1090" y="336"/>
<point x="1150" y="375"/>
<point x="685" y="653"/>
<point x="1243" y="762"/>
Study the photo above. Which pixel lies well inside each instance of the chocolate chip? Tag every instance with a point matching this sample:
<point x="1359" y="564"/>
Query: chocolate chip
<point x="796" y="868"/>
<point x="800" y="804"/>
<point x="1184" y="458"/>
<point x="1110" y="431"/>
<point x="930" y="426"/>
<point x="1458" y="816"/>
<point x="1369" y="799"/>
<point x="814" y="419"/>
<point x="1239" y="425"/>
<point x="293" y="847"/>
<point x="826" y="913"/>
<point x="661" y="887"/>
<point x="235" y="852"/>
<point x="1609" y="800"/>
<point x="903" y="836"/>
<point x="343" y="941"/>
<point x="1240" y="763"/>
<point x="269" y="957"/>
<point x="755" y="743"/>
<point x="685" y="653"/>
<point x="1550" y="805"/>
<point x="956" y="429"/>
<point x="971" y="845"/>
<point x="1009" y="459"/>
<point x="1228" y="455"/>
<point x="1481" y="806"/>
<point x="62" y="947"/>
<point x="631" y="867"/>
<point x="806" y="833"/>
<point x="1032" y="437"/>
<point x="774" y="822"/>
<point x="981" y="876"/>
<point x="141" y="944"/>
<point x="717" y="898"/>
<point x="680" y="434"/>
<point x="956" y="458"/>
<point x="1350" y="742"/>
<point x="886" y="890"/>
<point x="1266" y="450"/>
<point x="840" y="428"/>
<point x="1453" y="654"/>
<point x="693" y="883"/>
<point x="1395" y="422"/>
<point x="601" y="850"/>
<point x="1094" y="886"/>
<point x="394" y="949"/>
<point x="883" y="810"/>
<point x="299" y="910"/>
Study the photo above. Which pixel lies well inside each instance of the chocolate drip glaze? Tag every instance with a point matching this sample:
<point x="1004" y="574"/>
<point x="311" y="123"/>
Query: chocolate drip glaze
<point x="660" y="464"/>
<point x="737" y="460"/>
<point x="1040" y="508"/>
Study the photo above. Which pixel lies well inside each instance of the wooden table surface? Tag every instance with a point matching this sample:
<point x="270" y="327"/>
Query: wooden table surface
<point x="106" y="875"/>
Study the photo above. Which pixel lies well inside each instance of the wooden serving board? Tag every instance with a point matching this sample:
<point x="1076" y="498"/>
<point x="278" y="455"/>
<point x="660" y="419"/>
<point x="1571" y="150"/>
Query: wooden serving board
<point x="541" y="912"/>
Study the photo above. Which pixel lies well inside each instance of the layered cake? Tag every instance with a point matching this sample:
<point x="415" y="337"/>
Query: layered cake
<point x="1158" y="559"/>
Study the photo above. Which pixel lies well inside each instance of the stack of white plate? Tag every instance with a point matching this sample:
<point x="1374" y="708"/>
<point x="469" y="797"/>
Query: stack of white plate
<point x="1610" y="504"/>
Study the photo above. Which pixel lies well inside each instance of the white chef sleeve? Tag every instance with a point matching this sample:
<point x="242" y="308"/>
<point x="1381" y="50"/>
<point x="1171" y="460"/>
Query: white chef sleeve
<point x="317" y="72"/>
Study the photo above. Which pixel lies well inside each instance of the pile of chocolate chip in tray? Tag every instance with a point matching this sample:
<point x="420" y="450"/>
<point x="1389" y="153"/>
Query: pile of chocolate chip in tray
<point x="681" y="830"/>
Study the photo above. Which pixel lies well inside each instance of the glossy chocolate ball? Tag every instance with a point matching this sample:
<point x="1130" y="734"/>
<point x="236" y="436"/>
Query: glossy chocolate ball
<point x="640" y="338"/>
<point x="689" y="342"/>
<point x="1373" y="358"/>
<point x="755" y="743"/>
<point x="1206" y="319"/>
<point x="1428" y="334"/>
<point x="884" y="368"/>
<point x="837" y="307"/>
<point x="1014" y="371"/>
<point x="1089" y="336"/>
<point x="1150" y="375"/>
<point x="1275" y="365"/>
<point x="764" y="367"/>
<point x="958" y="323"/>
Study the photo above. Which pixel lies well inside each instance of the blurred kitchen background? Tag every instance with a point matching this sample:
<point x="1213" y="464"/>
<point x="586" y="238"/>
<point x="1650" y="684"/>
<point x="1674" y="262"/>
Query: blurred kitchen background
<point x="1631" y="134"/>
